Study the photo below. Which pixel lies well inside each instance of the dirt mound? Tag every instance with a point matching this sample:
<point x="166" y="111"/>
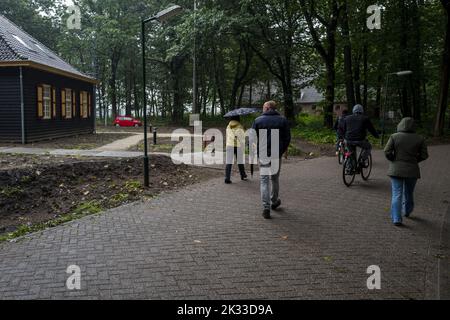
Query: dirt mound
<point x="43" y="192"/>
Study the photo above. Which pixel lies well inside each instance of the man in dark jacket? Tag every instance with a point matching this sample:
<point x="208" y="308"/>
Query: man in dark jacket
<point x="405" y="150"/>
<point x="274" y="138"/>
<point x="355" y="129"/>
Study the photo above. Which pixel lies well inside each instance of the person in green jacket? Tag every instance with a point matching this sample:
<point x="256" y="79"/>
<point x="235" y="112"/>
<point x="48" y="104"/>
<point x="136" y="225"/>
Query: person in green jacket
<point x="235" y="148"/>
<point x="405" y="150"/>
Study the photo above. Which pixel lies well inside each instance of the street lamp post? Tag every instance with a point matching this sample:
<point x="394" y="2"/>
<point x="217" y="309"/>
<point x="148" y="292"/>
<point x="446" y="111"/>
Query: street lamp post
<point x="194" y="63"/>
<point x="398" y="74"/>
<point x="161" y="17"/>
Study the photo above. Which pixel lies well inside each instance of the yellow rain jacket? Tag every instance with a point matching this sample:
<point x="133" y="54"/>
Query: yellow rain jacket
<point x="235" y="135"/>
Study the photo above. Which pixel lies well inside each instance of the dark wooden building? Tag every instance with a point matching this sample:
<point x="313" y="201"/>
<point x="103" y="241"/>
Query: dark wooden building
<point x="41" y="95"/>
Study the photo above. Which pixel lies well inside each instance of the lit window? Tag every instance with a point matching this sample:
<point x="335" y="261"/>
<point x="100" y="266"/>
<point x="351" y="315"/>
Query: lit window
<point x="47" y="102"/>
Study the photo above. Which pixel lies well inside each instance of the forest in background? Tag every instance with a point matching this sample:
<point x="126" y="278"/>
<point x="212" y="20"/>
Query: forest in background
<point x="241" y="45"/>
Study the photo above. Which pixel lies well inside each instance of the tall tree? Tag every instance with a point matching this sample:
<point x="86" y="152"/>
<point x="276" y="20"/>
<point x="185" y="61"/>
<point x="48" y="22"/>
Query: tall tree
<point x="326" y="48"/>
<point x="277" y="27"/>
<point x="443" y="96"/>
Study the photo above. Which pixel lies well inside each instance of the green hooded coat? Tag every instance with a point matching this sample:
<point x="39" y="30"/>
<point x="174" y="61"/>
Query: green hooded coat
<point x="405" y="150"/>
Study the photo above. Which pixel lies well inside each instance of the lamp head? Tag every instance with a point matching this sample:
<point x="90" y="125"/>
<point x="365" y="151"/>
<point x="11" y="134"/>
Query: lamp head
<point x="168" y="13"/>
<point x="404" y="73"/>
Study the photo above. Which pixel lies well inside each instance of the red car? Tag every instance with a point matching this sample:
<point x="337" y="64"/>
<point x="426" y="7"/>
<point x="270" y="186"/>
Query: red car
<point x="127" y="122"/>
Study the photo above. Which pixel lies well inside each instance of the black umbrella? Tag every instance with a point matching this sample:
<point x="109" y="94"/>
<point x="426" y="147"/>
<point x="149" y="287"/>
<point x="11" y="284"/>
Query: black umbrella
<point x="241" y="112"/>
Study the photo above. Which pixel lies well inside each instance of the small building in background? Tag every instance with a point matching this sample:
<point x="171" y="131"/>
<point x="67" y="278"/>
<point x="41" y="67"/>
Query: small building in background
<point x="41" y="95"/>
<point x="308" y="99"/>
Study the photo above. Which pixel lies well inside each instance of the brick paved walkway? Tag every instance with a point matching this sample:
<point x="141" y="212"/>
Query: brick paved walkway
<point x="210" y="242"/>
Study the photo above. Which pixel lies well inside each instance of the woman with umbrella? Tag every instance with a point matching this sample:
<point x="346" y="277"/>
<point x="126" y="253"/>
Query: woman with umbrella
<point x="235" y="148"/>
<point x="236" y="142"/>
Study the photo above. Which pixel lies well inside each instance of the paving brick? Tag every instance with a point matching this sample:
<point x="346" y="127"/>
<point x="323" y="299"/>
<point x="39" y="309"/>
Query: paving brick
<point x="209" y="241"/>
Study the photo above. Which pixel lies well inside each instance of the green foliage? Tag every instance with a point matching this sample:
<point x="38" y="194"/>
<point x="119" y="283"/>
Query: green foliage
<point x="311" y="129"/>
<point x="238" y="44"/>
<point x="87" y="208"/>
<point x="133" y="186"/>
<point x="82" y="210"/>
<point x="11" y="191"/>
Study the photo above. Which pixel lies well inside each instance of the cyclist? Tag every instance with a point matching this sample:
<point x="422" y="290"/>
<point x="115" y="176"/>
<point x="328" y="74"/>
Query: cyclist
<point x="338" y="128"/>
<point x="355" y="129"/>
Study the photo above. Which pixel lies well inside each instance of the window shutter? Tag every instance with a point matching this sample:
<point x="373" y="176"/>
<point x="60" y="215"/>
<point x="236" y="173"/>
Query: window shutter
<point x="53" y="103"/>
<point x="81" y="104"/>
<point x="63" y="103"/>
<point x="40" y="101"/>
<point x="89" y="105"/>
<point x="74" y="104"/>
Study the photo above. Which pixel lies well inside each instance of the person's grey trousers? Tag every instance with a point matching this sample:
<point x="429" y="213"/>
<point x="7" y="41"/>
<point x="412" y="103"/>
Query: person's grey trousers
<point x="270" y="185"/>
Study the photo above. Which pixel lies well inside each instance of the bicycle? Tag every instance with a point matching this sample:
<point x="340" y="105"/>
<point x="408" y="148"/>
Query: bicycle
<point x="353" y="166"/>
<point x="341" y="151"/>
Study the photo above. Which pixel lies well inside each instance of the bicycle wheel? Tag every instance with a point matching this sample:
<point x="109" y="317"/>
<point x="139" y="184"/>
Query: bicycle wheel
<point x="349" y="171"/>
<point x="341" y="156"/>
<point x="366" y="168"/>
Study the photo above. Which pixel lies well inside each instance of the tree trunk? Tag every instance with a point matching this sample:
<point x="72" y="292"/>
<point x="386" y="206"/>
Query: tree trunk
<point x="349" y="85"/>
<point x="241" y="95"/>
<point x="443" y="96"/>
<point x="327" y="51"/>
<point x="176" y="67"/>
<point x="250" y="95"/>
<point x="115" y="58"/>
<point x="366" y="71"/>
<point x="136" y="98"/>
<point x="100" y="104"/>
<point x="128" y="94"/>
<point x="357" y="78"/>
<point x="329" y="94"/>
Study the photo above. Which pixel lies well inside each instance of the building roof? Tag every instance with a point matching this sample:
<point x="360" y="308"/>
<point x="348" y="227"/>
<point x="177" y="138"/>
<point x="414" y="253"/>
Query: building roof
<point x="310" y="95"/>
<point x="18" y="48"/>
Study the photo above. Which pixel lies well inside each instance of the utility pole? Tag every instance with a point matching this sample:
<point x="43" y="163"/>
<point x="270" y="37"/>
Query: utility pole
<point x="194" y="61"/>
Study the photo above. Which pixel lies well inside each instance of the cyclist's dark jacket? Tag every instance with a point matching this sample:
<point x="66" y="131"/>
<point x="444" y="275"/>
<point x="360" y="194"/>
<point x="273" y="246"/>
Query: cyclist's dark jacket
<point x="273" y="120"/>
<point x="356" y="126"/>
<point x="339" y="125"/>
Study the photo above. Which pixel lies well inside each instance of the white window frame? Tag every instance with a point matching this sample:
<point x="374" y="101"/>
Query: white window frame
<point x="47" y="102"/>
<point x="68" y="103"/>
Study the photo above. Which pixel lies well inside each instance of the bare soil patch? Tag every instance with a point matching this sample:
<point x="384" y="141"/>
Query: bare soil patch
<point x="35" y="189"/>
<point x="81" y="142"/>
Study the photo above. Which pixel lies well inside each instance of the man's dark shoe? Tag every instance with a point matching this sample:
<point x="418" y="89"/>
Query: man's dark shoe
<point x="244" y="178"/>
<point x="266" y="214"/>
<point x="398" y="224"/>
<point x="276" y="204"/>
<point x="228" y="181"/>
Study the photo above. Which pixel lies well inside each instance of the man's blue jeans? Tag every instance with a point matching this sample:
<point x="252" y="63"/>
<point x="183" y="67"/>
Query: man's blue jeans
<point x="270" y="186"/>
<point x="402" y="198"/>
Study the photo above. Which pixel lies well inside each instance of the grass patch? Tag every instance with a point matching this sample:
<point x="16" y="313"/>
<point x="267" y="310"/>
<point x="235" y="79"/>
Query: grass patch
<point x="311" y="129"/>
<point x="83" y="210"/>
<point x="11" y="191"/>
<point x="119" y="198"/>
<point x="293" y="151"/>
<point x="133" y="186"/>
